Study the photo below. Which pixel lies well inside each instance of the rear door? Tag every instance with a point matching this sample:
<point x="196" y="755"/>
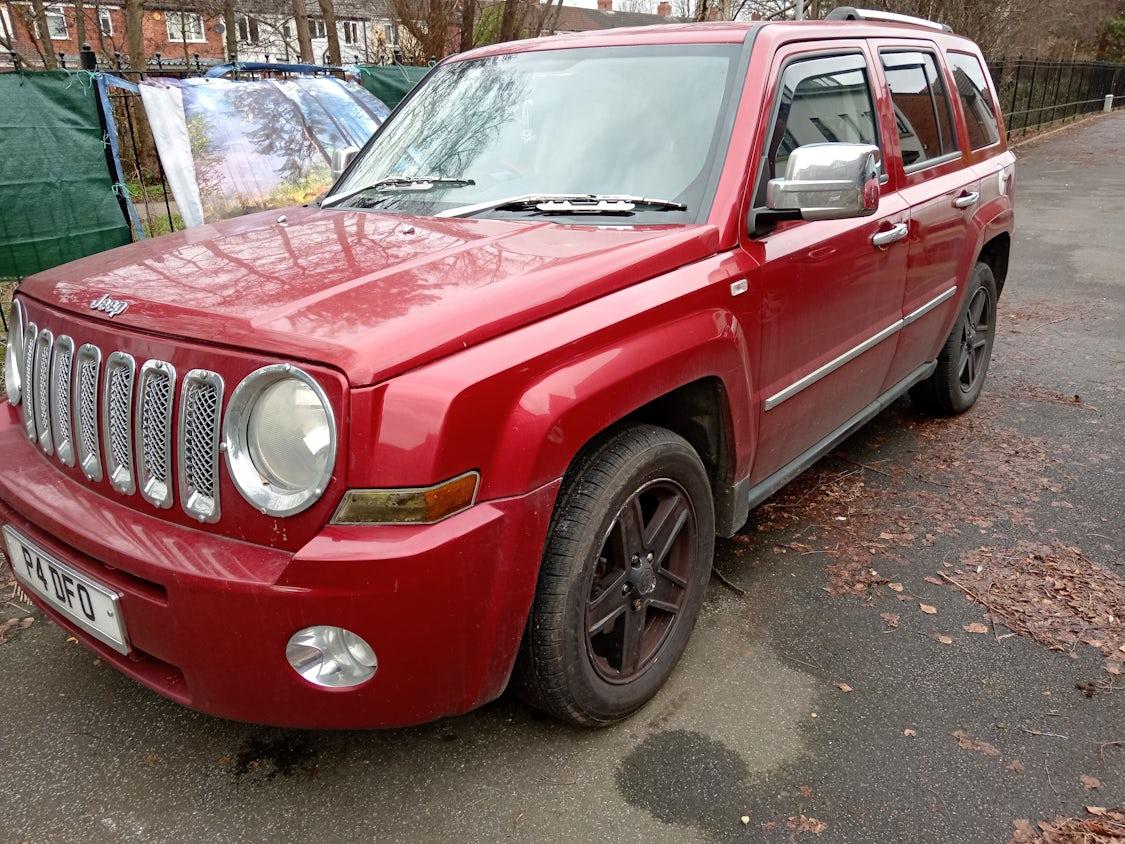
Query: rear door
<point x="940" y="188"/>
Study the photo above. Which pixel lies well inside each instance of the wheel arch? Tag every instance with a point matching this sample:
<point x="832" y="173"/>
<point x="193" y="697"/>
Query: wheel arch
<point x="995" y="253"/>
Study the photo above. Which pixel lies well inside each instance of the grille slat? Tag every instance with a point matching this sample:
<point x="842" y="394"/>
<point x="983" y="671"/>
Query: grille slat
<point x="61" y="428"/>
<point x="117" y="421"/>
<point x="44" y="347"/>
<point x="30" y="344"/>
<point x="201" y="404"/>
<point x="88" y="366"/>
<point x="154" y="432"/>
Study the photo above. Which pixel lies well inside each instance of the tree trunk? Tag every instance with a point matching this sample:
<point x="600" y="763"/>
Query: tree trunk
<point x="49" y="60"/>
<point x="468" y="22"/>
<point x="134" y="36"/>
<point x="231" y="26"/>
<point x="80" y="22"/>
<point x="328" y="12"/>
<point x="301" y="21"/>
<point x="509" y="20"/>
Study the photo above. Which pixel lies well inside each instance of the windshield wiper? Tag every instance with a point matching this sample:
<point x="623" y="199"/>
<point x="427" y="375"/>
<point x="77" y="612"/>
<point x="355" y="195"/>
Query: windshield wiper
<point x="401" y="183"/>
<point x="568" y="203"/>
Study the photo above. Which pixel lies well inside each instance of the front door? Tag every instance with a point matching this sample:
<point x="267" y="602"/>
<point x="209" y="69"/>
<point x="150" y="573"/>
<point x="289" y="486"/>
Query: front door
<point x="830" y="299"/>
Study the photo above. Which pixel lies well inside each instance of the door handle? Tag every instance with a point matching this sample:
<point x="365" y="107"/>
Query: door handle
<point x="892" y="235"/>
<point x="966" y="200"/>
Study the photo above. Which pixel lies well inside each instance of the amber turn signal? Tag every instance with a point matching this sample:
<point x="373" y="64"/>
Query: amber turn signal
<point x="408" y="506"/>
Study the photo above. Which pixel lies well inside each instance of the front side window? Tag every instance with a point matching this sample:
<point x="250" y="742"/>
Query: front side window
<point x="976" y="100"/>
<point x="645" y="121"/>
<point x="822" y="100"/>
<point x="184" y="26"/>
<point x="56" y="24"/>
<point x="925" y="127"/>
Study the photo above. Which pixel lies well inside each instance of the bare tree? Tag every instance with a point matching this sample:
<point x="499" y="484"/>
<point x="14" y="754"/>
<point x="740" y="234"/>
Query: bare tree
<point x="230" y="29"/>
<point x="301" y="22"/>
<point x="134" y="34"/>
<point x="468" y="24"/>
<point x="45" y="50"/>
<point x="328" y="12"/>
<point x="428" y="22"/>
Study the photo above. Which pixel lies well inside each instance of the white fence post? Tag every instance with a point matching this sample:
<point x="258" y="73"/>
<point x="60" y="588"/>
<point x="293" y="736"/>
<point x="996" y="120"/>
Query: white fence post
<point x="1108" y="103"/>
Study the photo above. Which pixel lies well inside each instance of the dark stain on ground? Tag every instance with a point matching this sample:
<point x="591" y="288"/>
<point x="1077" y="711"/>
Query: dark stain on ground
<point x="688" y="778"/>
<point x="266" y="756"/>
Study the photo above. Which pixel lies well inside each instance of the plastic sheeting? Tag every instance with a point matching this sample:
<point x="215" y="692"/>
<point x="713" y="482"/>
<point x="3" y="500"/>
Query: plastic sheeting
<point x="390" y="83"/>
<point x="57" y="202"/>
<point x="229" y="148"/>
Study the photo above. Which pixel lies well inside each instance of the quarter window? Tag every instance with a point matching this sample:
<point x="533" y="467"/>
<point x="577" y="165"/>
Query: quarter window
<point x="925" y="128"/>
<point x="976" y="100"/>
<point x="823" y="100"/>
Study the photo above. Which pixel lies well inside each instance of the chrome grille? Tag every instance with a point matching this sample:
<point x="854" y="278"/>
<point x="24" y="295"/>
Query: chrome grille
<point x="88" y="365"/>
<point x="117" y="421"/>
<point x="43" y="348"/>
<point x="201" y="404"/>
<point x="61" y="429"/>
<point x="29" y="346"/>
<point x="154" y="432"/>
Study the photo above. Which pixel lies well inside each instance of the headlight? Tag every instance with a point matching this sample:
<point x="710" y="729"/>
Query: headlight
<point x="280" y="438"/>
<point x="13" y="355"/>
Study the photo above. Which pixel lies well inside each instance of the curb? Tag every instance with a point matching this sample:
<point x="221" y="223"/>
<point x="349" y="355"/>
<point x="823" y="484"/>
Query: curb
<point x="1060" y="129"/>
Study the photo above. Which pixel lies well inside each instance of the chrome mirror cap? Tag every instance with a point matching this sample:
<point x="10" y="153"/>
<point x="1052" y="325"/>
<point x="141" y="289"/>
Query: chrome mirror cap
<point x="828" y="182"/>
<point x="341" y="158"/>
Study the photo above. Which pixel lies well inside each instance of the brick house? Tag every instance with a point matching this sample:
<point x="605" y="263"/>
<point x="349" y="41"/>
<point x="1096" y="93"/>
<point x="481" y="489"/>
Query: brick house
<point x="576" y="19"/>
<point x="175" y="35"/>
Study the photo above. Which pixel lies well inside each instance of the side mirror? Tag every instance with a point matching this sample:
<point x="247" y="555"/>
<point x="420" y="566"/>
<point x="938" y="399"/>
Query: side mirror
<point x="341" y="158"/>
<point x="828" y="182"/>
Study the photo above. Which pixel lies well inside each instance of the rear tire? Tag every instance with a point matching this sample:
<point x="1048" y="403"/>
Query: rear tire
<point x="962" y="365"/>
<point x="624" y="572"/>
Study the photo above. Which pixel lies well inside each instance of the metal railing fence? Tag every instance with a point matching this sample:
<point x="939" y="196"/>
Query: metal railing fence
<point x="1036" y="94"/>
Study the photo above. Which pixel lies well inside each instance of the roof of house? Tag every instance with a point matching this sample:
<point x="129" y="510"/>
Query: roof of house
<point x="576" y="19"/>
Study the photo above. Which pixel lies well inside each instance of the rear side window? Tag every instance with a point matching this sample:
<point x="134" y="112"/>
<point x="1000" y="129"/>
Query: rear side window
<point x="976" y="100"/>
<point x="925" y="127"/>
<point x="822" y="100"/>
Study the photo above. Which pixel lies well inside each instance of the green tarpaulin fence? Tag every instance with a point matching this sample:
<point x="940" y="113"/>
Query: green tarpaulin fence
<point x="390" y="83"/>
<point x="56" y="197"/>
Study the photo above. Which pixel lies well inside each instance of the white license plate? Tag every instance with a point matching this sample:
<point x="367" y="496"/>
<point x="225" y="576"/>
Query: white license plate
<point x="92" y="607"/>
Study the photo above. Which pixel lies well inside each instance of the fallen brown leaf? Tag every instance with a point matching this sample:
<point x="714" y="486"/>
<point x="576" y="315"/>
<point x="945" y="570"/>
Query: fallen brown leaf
<point x="909" y="732"/>
<point x="927" y="609"/>
<point x="941" y="637"/>
<point x="1090" y="782"/>
<point x="976" y="745"/>
<point x="975" y="627"/>
<point x="844" y="687"/>
<point x="895" y="587"/>
<point x="1016" y="766"/>
<point x="801" y="823"/>
<point x="937" y="581"/>
<point x="891" y="618"/>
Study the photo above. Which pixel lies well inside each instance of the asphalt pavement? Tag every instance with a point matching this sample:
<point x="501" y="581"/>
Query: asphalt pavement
<point x="818" y="699"/>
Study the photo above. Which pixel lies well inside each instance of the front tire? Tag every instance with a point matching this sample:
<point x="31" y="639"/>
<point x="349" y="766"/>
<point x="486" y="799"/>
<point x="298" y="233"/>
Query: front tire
<point x="624" y="572"/>
<point x="962" y="365"/>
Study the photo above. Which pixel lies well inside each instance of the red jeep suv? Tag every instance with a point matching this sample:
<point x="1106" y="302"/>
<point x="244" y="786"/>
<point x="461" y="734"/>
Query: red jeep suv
<point x="478" y="416"/>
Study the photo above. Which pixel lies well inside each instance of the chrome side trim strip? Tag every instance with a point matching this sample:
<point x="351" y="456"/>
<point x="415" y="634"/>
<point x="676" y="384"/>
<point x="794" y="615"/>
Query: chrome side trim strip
<point x="917" y="313"/>
<point x="832" y="365"/>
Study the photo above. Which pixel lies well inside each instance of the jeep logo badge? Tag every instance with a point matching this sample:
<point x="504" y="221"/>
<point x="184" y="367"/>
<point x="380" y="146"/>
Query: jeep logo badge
<point x="111" y="307"/>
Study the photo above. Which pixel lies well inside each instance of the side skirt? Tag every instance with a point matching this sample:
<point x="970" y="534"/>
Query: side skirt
<point x="743" y="498"/>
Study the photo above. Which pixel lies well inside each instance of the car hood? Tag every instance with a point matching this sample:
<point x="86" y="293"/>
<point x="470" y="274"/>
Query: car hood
<point x="370" y="294"/>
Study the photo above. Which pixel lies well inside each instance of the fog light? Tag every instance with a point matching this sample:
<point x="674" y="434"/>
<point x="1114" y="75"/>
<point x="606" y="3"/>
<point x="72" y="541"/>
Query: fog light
<point x="331" y="656"/>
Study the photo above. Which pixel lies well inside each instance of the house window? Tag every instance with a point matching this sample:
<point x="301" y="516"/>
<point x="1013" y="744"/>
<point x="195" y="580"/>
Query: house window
<point x="317" y="28"/>
<point x="351" y="32"/>
<point x="248" y="30"/>
<point x="186" y="26"/>
<point x="389" y="33"/>
<point x="287" y="30"/>
<point x="105" y="22"/>
<point x="56" y="24"/>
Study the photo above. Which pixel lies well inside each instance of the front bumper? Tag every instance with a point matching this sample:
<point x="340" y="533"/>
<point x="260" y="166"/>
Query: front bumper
<point x="208" y="617"/>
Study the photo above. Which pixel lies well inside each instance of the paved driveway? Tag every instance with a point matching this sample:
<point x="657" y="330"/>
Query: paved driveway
<point x="831" y="588"/>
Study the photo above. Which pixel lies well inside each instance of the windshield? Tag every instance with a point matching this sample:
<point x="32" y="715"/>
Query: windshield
<point x="640" y="121"/>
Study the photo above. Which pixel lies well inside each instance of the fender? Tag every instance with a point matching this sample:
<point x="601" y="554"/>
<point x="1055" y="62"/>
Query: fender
<point x="520" y="407"/>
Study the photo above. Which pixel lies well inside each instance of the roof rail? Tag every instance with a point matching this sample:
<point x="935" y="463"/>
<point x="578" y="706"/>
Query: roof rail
<point x="850" y="13"/>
